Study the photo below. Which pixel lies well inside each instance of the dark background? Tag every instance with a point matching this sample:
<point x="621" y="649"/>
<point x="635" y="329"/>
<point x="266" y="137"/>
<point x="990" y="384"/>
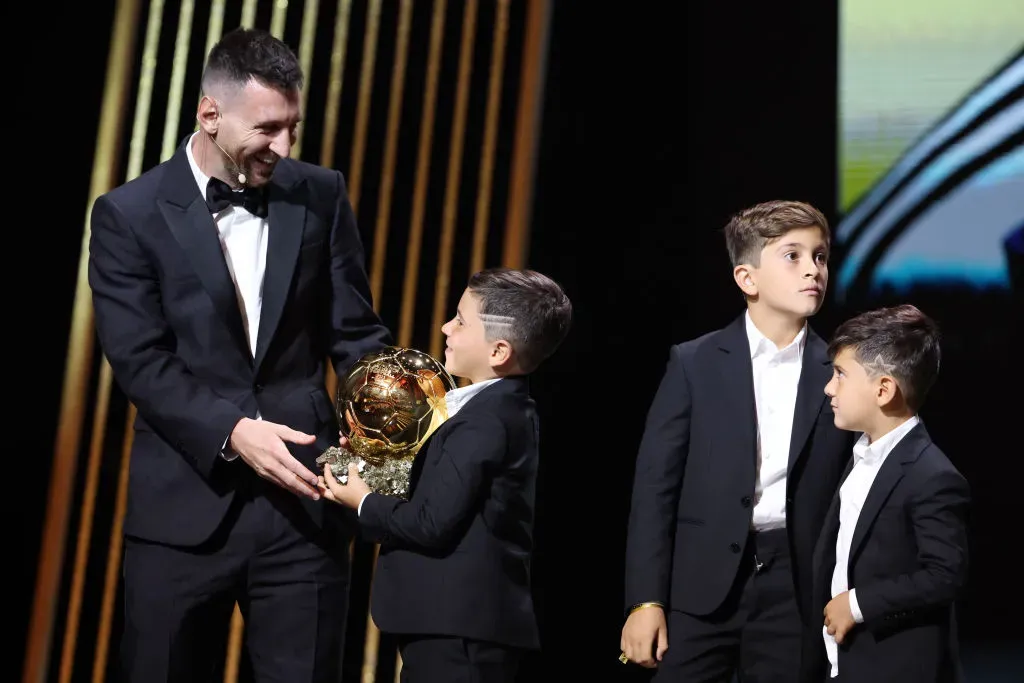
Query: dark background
<point x="659" y="121"/>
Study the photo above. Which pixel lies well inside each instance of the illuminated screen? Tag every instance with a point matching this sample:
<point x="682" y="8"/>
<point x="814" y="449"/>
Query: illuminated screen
<point x="931" y="149"/>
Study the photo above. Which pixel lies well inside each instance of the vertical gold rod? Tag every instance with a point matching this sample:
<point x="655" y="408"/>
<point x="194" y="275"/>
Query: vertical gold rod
<point x="334" y="83"/>
<point x="79" y="355"/>
<point x="215" y="27"/>
<point x="277" y="17"/>
<point x="113" y="573"/>
<point x="308" y="35"/>
<point x="419" y="198"/>
<point x="524" y="152"/>
<point x="248" y="14"/>
<point x="372" y="644"/>
<point x="234" y="646"/>
<point x="331" y="109"/>
<point x="173" y="117"/>
<point x="363" y="106"/>
<point x="483" y="197"/>
<point x="214" y="30"/>
<point x="451" y="190"/>
<point x="87" y="510"/>
<point x="145" y="95"/>
<point x="387" y="176"/>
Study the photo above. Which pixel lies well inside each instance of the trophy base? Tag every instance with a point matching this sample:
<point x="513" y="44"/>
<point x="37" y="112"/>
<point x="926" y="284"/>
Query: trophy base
<point x="390" y="478"/>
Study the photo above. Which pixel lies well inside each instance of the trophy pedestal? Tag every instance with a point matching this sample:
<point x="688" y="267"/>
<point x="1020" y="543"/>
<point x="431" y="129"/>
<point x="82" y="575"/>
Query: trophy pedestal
<point x="390" y="477"/>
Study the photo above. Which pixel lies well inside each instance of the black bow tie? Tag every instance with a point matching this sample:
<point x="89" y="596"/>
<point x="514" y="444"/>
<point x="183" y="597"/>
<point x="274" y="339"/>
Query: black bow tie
<point x="220" y="196"/>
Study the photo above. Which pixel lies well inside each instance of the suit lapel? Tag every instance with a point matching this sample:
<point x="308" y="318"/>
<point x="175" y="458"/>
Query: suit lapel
<point x="190" y="222"/>
<point x="889" y="474"/>
<point x="810" y="394"/>
<point x="286" y="221"/>
<point x="737" y="377"/>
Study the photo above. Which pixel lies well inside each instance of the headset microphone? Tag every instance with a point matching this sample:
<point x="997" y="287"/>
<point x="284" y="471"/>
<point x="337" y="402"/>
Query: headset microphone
<point x="241" y="176"/>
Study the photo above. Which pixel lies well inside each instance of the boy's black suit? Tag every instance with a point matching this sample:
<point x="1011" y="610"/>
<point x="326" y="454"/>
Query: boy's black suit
<point x="690" y="545"/>
<point x="455" y="559"/>
<point x="908" y="560"/>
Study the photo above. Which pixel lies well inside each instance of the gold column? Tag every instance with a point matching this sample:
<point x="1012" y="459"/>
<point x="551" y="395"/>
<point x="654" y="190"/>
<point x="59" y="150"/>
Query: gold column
<point x="520" y="192"/>
<point x="333" y="104"/>
<point x="363" y="106"/>
<point x="277" y="18"/>
<point x="248" y="14"/>
<point x="451" y="193"/>
<point x="80" y="353"/>
<point x="483" y="199"/>
<point x="419" y="197"/>
<point x="173" y="118"/>
<point x="215" y="27"/>
<point x="387" y="176"/>
<point x="309" y="14"/>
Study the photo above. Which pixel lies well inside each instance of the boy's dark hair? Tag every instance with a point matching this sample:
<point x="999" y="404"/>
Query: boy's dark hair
<point x="246" y="54"/>
<point x="901" y="342"/>
<point x="751" y="229"/>
<point x="525" y="308"/>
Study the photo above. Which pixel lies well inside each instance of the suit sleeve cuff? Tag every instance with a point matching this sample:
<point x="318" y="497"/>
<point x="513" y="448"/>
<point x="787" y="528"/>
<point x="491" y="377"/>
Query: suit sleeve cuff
<point x="855" y="607"/>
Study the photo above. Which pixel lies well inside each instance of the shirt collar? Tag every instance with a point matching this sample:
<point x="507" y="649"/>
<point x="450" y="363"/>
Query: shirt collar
<point x="202" y="180"/>
<point x="870" y="453"/>
<point x="761" y="344"/>
<point x="457" y="398"/>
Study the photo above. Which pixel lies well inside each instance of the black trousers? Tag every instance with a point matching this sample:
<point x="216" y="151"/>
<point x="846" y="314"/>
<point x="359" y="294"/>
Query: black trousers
<point x="437" y="659"/>
<point x="756" y="636"/>
<point x="289" y="576"/>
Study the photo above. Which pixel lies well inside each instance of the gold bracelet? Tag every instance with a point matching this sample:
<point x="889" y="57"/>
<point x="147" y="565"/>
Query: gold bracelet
<point x="642" y="605"/>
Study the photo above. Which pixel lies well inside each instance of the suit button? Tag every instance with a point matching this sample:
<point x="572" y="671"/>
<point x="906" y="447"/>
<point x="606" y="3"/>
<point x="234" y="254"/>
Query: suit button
<point x="257" y="388"/>
<point x="735" y="547"/>
<point x="745" y="501"/>
<point x="789" y="501"/>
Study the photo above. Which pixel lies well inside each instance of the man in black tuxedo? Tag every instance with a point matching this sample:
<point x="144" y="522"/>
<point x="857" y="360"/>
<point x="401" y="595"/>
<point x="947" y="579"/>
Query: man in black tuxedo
<point x="892" y="557"/>
<point x="453" y="577"/>
<point x="736" y="468"/>
<point x="222" y="280"/>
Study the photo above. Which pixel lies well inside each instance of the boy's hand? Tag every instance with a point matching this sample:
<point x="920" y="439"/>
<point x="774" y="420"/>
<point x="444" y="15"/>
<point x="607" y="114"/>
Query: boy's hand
<point x="350" y="494"/>
<point x="838" y="617"/>
<point x="645" y="629"/>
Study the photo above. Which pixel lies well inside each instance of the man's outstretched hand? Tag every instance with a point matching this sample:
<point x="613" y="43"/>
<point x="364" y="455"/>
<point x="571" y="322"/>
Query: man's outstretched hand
<point x="261" y="445"/>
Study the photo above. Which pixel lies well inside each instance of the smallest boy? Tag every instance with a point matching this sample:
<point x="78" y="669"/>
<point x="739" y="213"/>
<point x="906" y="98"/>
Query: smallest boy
<point x="892" y="556"/>
<point x="453" y="576"/>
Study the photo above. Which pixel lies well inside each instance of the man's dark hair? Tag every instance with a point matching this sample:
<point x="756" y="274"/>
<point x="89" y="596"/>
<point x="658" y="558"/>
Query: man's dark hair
<point x="901" y="342"/>
<point x="525" y="308"/>
<point x="246" y="54"/>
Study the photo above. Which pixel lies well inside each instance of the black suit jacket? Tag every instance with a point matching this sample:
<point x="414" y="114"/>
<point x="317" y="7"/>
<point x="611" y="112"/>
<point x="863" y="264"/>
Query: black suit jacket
<point x="168" y="320"/>
<point x="455" y="559"/>
<point x="908" y="562"/>
<point x="695" y="473"/>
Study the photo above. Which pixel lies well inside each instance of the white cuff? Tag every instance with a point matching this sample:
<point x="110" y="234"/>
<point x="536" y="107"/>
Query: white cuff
<point x="228" y="454"/>
<point x="855" y="608"/>
<point x="359" y="510"/>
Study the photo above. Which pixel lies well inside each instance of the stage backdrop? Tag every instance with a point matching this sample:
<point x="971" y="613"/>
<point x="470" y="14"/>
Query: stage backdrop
<point x="652" y="124"/>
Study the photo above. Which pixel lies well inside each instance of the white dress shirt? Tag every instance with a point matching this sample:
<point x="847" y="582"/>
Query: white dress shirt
<point x="243" y="239"/>
<point x="867" y="460"/>
<point x="776" y="377"/>
<point x="454" y="401"/>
